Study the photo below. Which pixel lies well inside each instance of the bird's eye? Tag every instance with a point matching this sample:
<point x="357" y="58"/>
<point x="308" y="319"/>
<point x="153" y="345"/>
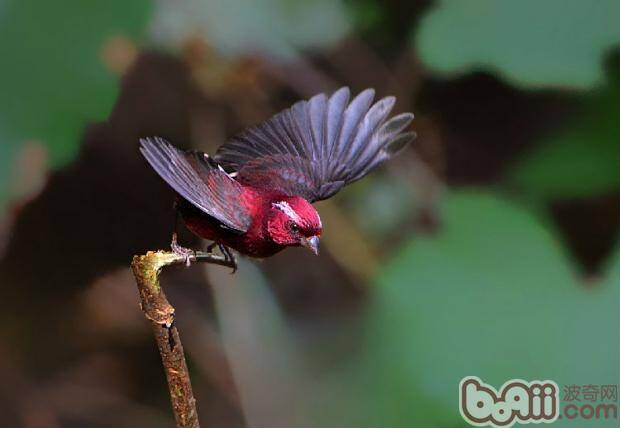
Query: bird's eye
<point x="294" y="228"/>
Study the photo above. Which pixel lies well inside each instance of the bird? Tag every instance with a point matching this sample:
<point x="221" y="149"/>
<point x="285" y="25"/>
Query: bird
<point x="255" y="194"/>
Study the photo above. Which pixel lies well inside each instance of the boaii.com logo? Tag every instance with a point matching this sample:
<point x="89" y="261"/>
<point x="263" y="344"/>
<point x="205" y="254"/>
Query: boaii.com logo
<point x="516" y="401"/>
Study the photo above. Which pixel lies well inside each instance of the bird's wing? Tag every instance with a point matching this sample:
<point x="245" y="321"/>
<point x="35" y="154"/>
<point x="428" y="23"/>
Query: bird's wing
<point x="316" y="147"/>
<point x="199" y="180"/>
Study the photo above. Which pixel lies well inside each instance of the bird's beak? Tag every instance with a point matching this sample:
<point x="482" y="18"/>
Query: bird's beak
<point x="312" y="244"/>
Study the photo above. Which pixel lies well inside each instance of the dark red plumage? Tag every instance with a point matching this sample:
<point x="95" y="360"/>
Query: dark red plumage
<point x="255" y="195"/>
<point x="269" y="231"/>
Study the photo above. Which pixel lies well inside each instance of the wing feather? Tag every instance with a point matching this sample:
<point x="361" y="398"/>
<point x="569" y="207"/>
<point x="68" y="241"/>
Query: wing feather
<point x="368" y="127"/>
<point x="335" y="116"/>
<point x="352" y="117"/>
<point x="316" y="147"/>
<point x="199" y="181"/>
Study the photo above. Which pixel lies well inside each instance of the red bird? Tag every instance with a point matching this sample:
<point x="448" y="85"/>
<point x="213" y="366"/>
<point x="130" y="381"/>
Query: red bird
<point x="255" y="195"/>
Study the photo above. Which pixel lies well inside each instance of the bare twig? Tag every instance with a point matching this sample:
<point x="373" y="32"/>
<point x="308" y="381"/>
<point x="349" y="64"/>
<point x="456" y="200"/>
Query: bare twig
<point x="160" y="313"/>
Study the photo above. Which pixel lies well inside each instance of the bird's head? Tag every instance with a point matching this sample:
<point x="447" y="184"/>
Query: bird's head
<point x="293" y="221"/>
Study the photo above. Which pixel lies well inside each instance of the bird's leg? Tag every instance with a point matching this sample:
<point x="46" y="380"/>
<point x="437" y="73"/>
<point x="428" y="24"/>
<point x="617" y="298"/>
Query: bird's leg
<point x="230" y="257"/>
<point x="187" y="253"/>
<point x="174" y="246"/>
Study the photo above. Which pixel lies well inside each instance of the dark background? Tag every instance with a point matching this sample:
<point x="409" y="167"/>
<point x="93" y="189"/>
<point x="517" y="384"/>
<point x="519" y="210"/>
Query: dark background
<point x="488" y="248"/>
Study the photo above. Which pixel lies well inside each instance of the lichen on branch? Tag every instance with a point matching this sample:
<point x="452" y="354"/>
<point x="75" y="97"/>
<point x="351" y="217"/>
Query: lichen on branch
<point x="160" y="313"/>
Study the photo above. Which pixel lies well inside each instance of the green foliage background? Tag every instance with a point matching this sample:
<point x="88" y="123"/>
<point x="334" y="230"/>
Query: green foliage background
<point x="493" y="293"/>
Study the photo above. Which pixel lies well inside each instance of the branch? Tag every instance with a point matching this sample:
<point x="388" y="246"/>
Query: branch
<point x="146" y="269"/>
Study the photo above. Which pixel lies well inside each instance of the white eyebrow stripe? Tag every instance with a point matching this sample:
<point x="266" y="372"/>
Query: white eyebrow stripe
<point x="286" y="209"/>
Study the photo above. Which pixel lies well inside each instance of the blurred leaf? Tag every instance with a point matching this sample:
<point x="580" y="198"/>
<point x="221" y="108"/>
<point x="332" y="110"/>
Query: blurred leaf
<point x="6" y="157"/>
<point x="491" y="296"/>
<point x="380" y="204"/>
<point x="259" y="346"/>
<point x="235" y="27"/>
<point x="531" y="43"/>
<point x="53" y="79"/>
<point x="366" y="14"/>
<point x="583" y="160"/>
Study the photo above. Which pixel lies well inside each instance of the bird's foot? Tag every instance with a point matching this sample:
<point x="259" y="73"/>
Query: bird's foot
<point x="229" y="257"/>
<point x="186" y="253"/>
<point x="210" y="247"/>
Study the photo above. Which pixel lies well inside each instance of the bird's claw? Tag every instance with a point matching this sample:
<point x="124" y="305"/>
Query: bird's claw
<point x="229" y="257"/>
<point x="232" y="260"/>
<point x="186" y="253"/>
<point x="233" y="265"/>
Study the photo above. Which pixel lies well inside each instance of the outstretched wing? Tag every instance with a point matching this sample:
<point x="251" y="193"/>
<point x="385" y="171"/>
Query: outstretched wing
<point x="316" y="147"/>
<point x="199" y="180"/>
